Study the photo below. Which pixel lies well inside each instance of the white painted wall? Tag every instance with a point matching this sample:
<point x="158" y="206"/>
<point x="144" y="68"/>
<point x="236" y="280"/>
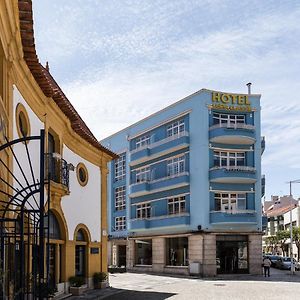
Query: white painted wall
<point x="83" y="205"/>
<point x="33" y="146"/>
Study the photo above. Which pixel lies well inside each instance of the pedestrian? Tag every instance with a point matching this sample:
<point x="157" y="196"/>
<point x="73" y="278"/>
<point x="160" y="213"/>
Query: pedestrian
<point x="267" y="264"/>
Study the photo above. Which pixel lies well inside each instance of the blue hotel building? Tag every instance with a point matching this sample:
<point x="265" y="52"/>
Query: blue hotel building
<point x="185" y="192"/>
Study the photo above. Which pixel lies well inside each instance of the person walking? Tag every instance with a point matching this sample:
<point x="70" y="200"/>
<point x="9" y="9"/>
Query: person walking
<point x="267" y="264"/>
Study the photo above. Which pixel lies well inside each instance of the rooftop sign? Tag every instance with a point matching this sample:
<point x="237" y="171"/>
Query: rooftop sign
<point x="231" y="102"/>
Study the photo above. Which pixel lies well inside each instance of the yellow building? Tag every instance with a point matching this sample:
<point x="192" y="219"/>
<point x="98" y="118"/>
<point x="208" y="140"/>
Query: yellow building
<point x="75" y="167"/>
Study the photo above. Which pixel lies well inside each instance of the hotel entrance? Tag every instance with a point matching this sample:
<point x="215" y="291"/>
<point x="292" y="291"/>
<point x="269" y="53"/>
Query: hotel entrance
<point x="232" y="254"/>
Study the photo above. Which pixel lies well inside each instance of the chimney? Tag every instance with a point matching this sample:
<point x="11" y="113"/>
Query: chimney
<point x="47" y="66"/>
<point x="249" y="87"/>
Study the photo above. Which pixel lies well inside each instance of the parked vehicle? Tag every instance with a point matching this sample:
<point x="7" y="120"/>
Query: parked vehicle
<point x="284" y="263"/>
<point x="273" y="259"/>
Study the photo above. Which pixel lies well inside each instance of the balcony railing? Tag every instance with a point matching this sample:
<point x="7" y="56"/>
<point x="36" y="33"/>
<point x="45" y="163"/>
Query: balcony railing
<point x="232" y="126"/>
<point x="234" y="168"/>
<point x="153" y="180"/>
<point x="56" y="169"/>
<point x="161" y="142"/>
<point x="234" y="212"/>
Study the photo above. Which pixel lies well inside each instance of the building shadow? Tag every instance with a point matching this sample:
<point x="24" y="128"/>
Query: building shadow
<point x="139" y="295"/>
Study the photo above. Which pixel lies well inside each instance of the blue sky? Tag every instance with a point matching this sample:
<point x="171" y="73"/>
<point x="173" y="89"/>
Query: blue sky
<point x="120" y="60"/>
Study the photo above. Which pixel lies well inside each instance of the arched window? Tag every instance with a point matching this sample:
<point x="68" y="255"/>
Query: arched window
<point x="80" y="236"/>
<point x="54" y="229"/>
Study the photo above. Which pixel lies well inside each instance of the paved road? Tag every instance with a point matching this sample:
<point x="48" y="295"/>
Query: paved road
<point x="281" y="285"/>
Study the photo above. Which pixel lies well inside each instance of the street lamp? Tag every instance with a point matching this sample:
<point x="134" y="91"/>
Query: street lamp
<point x="291" y="226"/>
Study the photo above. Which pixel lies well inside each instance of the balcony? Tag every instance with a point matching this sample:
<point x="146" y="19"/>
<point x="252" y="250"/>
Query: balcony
<point x="233" y="174"/>
<point x="159" y="148"/>
<point x="159" y="184"/>
<point x="236" y="217"/>
<point x="263" y="185"/>
<point x="182" y="219"/>
<point x="57" y="170"/>
<point x="263" y="144"/>
<point x="235" y="134"/>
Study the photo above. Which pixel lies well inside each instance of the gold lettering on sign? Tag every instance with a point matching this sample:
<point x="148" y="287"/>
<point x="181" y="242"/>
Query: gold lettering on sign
<point x="230" y="102"/>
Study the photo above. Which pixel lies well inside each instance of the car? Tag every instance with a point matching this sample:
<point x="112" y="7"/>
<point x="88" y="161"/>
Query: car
<point x="284" y="263"/>
<point x="273" y="259"/>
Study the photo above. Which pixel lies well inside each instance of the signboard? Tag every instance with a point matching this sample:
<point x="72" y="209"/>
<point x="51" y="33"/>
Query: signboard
<point x="94" y="250"/>
<point x="231" y="102"/>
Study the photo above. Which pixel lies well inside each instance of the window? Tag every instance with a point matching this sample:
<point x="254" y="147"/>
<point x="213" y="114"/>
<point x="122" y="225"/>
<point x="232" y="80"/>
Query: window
<point x="177" y="251"/>
<point x="175" y="165"/>
<point x="142" y="141"/>
<point x="227" y="202"/>
<point x="142" y="175"/>
<point x="54" y="229"/>
<point x="143" y="211"/>
<point x="175" y="128"/>
<point x="143" y="252"/>
<point x="82" y="174"/>
<point x="22" y="121"/>
<point x="120" y="223"/>
<point x="120" y="167"/>
<point x="120" y="198"/>
<point x="229" y="159"/>
<point x="227" y="119"/>
<point x="176" y="205"/>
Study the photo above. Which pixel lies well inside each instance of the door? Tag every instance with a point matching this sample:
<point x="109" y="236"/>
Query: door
<point x="52" y="265"/>
<point x="232" y="257"/>
<point x="122" y="255"/>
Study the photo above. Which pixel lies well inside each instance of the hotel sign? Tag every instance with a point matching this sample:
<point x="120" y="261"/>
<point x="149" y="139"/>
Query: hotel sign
<point x="231" y="102"/>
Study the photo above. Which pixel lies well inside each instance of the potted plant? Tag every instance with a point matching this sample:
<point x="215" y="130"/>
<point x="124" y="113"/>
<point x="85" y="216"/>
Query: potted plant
<point x="100" y="280"/>
<point x="77" y="285"/>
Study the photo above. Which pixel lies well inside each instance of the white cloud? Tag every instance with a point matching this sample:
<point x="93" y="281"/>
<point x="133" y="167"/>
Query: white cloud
<point x="130" y="59"/>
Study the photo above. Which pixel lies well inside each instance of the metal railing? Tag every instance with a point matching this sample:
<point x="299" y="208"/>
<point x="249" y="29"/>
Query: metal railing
<point x="161" y="142"/>
<point x="56" y="169"/>
<point x="234" y="168"/>
<point x="232" y="126"/>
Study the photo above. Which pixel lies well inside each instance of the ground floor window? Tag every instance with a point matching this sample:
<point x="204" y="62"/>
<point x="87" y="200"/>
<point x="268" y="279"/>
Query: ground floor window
<point x="177" y="251"/>
<point x="232" y="254"/>
<point x="80" y="260"/>
<point x="143" y="252"/>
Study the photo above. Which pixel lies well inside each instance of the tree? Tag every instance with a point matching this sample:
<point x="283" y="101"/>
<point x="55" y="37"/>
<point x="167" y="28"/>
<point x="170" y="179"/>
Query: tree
<point x="296" y="239"/>
<point x="271" y="243"/>
<point x="282" y="236"/>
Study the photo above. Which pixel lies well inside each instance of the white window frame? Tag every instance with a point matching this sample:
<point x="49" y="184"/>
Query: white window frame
<point x="230" y="202"/>
<point x="120" y="167"/>
<point x="143" y="211"/>
<point x="120" y="197"/>
<point x="175" y="128"/>
<point x="225" y="158"/>
<point x="229" y="119"/>
<point x="176" y="165"/>
<point x="120" y="223"/>
<point x="142" y="141"/>
<point x="176" y="205"/>
<point x="142" y="175"/>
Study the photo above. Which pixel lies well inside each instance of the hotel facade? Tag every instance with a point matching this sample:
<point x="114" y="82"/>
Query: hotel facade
<point x="184" y="196"/>
<point x="53" y="173"/>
